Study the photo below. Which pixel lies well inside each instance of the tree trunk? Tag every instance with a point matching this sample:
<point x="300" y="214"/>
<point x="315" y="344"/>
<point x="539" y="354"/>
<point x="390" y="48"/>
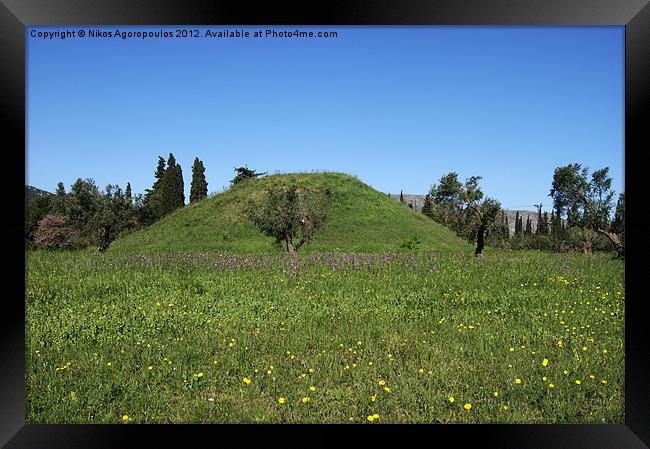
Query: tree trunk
<point x="480" y="244"/>
<point x="290" y="247"/>
<point x="104" y="239"/>
<point x="616" y="241"/>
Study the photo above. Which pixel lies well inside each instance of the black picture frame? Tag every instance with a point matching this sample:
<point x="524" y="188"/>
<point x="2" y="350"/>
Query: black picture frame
<point x="15" y="15"/>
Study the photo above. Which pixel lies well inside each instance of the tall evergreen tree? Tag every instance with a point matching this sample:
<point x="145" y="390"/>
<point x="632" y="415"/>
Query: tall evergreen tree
<point x="518" y="227"/>
<point x="179" y="187"/>
<point x="529" y="227"/>
<point x="199" y="187"/>
<point x="427" y="208"/>
<point x="153" y="198"/>
<point x="543" y="228"/>
<point x="401" y="197"/>
<point x="172" y="186"/>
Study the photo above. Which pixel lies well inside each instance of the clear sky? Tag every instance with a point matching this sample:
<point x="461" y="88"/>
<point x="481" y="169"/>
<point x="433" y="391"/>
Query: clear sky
<point x="396" y="106"/>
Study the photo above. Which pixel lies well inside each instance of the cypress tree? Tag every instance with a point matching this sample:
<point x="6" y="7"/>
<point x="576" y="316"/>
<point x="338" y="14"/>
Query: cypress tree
<point x="153" y="198"/>
<point x="199" y="187"/>
<point x="401" y="197"/>
<point x="518" y="227"/>
<point x="172" y="187"/>
<point x="529" y="227"/>
<point x="427" y="208"/>
<point x="180" y="187"/>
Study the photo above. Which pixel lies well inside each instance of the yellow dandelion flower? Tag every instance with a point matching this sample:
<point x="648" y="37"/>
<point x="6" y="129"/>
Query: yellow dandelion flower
<point x="387" y="390"/>
<point x="604" y="351"/>
<point x="246" y="380"/>
<point x="281" y="400"/>
<point x="305" y="400"/>
<point x="150" y="367"/>
<point x="565" y="372"/>
<point x="382" y="382"/>
<point x="551" y="385"/>
<point x="125" y="418"/>
<point x="495" y="394"/>
<point x="200" y="375"/>
<point x="451" y="399"/>
<point x="467" y="406"/>
<point x="544" y="378"/>
<point x="109" y="364"/>
<point x="371" y="418"/>
<point x="584" y="348"/>
<point x="545" y="362"/>
<point x="578" y="381"/>
<point x="373" y="398"/>
<point x="376" y="416"/>
<point x="517" y="381"/>
<point x="311" y="370"/>
<point x="421" y="371"/>
<point x="604" y="382"/>
<point x="312" y="388"/>
<point x="512" y="349"/>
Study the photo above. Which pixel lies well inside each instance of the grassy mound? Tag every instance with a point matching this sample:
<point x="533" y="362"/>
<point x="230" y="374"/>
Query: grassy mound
<point x="359" y="219"/>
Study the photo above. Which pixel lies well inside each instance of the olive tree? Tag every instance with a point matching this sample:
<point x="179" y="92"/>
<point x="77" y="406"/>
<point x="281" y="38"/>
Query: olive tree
<point x="290" y="214"/>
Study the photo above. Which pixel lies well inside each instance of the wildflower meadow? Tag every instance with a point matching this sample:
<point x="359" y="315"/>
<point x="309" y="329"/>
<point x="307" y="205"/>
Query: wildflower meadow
<point x="436" y="337"/>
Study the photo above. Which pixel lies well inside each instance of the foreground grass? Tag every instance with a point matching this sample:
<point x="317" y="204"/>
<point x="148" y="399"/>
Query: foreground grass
<point x="197" y="338"/>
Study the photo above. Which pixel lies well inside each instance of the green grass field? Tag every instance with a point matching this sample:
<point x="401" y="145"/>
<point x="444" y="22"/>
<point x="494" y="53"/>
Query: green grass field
<point x="522" y="337"/>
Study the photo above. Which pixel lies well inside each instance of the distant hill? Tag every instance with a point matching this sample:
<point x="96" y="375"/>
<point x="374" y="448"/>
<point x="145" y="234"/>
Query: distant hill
<point x="359" y="219"/>
<point x="32" y="193"/>
<point x="512" y="215"/>
<point x="416" y="200"/>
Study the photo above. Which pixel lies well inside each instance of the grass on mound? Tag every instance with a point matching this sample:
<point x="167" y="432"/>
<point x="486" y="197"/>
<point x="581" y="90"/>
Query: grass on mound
<point x="359" y="219"/>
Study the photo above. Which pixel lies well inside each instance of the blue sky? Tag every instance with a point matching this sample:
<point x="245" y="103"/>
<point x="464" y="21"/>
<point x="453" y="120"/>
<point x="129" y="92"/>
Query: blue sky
<point x="396" y="106"/>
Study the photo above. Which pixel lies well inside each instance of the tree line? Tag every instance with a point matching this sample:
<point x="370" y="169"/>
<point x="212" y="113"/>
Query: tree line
<point x="583" y="217"/>
<point x="86" y="216"/>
